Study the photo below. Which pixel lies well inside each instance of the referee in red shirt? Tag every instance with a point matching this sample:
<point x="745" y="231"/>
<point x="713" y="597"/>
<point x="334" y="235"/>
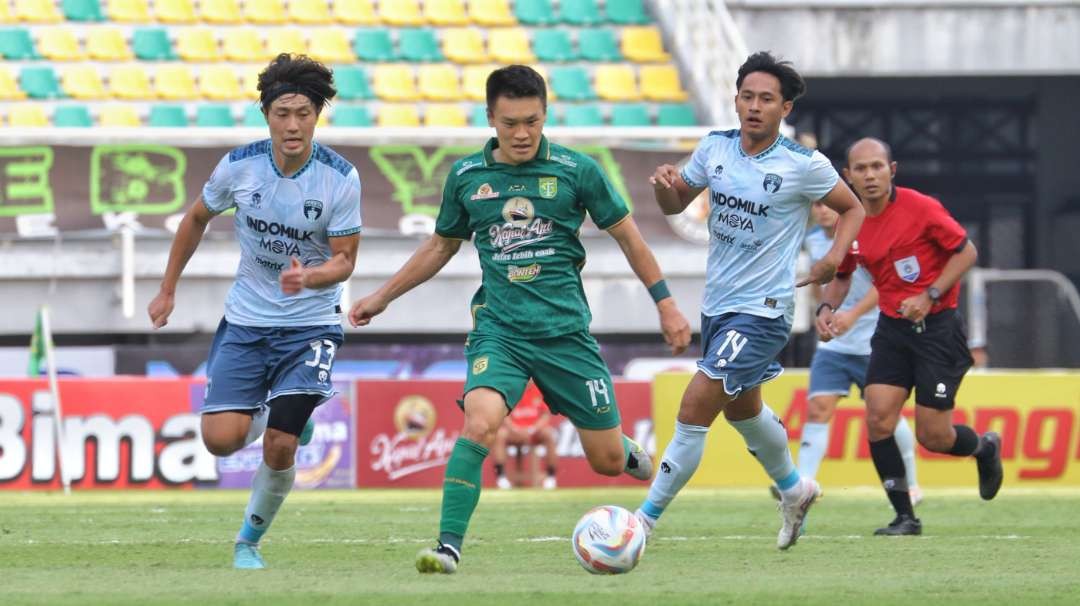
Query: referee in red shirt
<point x="916" y="254"/>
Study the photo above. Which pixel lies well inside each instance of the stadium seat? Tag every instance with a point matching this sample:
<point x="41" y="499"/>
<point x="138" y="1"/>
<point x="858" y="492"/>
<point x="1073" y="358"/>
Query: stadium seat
<point x="352" y="83"/>
<point x="374" y="45"/>
<point x="331" y="46"/>
<point x="243" y="44"/>
<point x="167" y="116"/>
<point x="175" y="11"/>
<point x="40" y="83"/>
<point x="197" y="44"/>
<point x="37" y="11"/>
<point x="130" y="11"/>
<point x="82" y="10"/>
<point x="59" y="44"/>
<point x="107" y="44"/>
<point x="26" y="115"/>
<point x="152" y="44"/>
<point x="419" y="45"/>
<point x="5" y="15"/>
<point x="401" y="13"/>
<point x="288" y="40"/>
<point x="554" y="45"/>
<point x="445" y="12"/>
<point x="395" y="83"/>
<point x="72" y="116"/>
<point x="491" y="13"/>
<point x="444" y="114"/>
<point x="83" y="82"/>
<point x="214" y="115"/>
<point x="16" y="44"/>
<point x="9" y="88"/>
<point x="571" y="84"/>
<point x="464" y="45"/>
<point x="510" y="45"/>
<point x="265" y="11"/>
<point x="309" y="11"/>
<point x="580" y="12"/>
<point x="351" y="115"/>
<point x="599" y="45"/>
<point x="478" y="116"/>
<point x="627" y="12"/>
<point x="676" y="115"/>
<point x="355" y="12"/>
<point x="583" y="115"/>
<point x="130" y="82"/>
<point x="643" y="45"/>
<point x="249" y="81"/>
<point x="630" y="114"/>
<point x="221" y="11"/>
<point x="118" y="115"/>
<point x="439" y="82"/>
<point x="220" y="83"/>
<point x="534" y="12"/>
<point x="474" y="81"/>
<point x="616" y="83"/>
<point x="174" y="82"/>
<point x="398" y="115"/>
<point x="661" y="83"/>
<point x="253" y="117"/>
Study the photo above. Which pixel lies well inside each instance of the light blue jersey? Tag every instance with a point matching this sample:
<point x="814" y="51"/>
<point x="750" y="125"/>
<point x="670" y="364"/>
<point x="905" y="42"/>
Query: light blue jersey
<point x="282" y="217"/>
<point x="855" y="341"/>
<point x="758" y="213"/>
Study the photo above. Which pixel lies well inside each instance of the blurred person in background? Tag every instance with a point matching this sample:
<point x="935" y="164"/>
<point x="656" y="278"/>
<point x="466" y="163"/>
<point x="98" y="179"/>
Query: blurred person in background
<point x="527" y="426"/>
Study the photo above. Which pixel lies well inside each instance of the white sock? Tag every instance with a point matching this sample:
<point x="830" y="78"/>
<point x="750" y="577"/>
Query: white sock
<point x="815" y="441"/>
<point x="680" y="461"/>
<point x="258" y="424"/>
<point x="268" y="490"/>
<point x="767" y="439"/>
<point x="905" y="440"/>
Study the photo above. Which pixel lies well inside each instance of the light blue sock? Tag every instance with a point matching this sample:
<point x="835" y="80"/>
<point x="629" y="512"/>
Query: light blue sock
<point x="268" y="490"/>
<point x="905" y="440"/>
<point x="767" y="439"/>
<point x="680" y="461"/>
<point x="815" y="441"/>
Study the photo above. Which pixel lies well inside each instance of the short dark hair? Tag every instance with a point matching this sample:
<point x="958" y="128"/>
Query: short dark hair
<point x="884" y="145"/>
<point x="299" y="74"/>
<point x="792" y="85"/>
<point x="515" y="82"/>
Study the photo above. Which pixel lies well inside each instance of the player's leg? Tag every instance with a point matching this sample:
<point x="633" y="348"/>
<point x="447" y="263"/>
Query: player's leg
<point x="233" y="411"/>
<point x="548" y="437"/>
<point x="498" y="457"/>
<point x="905" y="441"/>
<point x="883" y="405"/>
<point x="829" y="381"/>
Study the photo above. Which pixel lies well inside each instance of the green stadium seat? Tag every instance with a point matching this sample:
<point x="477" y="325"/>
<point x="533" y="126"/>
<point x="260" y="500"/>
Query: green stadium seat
<point x="253" y="115"/>
<point x="534" y="12"/>
<point x="599" y="45"/>
<point x="40" y="83"/>
<point x="553" y="45"/>
<point x="419" y="45"/>
<point x="152" y="44"/>
<point x="580" y="12"/>
<point x="571" y="84"/>
<point x="374" y="45"/>
<point x="351" y="115"/>
<point x="631" y="114"/>
<point x="681" y="114"/>
<point x="352" y="83"/>
<point x="82" y="10"/>
<point x="167" y="115"/>
<point x="16" y="43"/>
<point x="72" y="115"/>
<point x="583" y="115"/>
<point x="212" y="114"/>
<point x="478" y="116"/>
<point x="627" y="12"/>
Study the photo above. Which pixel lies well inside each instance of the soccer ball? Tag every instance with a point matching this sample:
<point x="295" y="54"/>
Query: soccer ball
<point x="608" y="540"/>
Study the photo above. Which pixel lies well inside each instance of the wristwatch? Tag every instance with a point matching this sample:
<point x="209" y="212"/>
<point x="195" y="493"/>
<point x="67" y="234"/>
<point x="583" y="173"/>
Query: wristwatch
<point x="823" y="306"/>
<point x="934" y="294"/>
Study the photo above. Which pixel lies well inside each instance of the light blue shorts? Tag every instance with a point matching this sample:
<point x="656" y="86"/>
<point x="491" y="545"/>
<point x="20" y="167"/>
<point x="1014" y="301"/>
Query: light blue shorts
<point x="833" y="373"/>
<point x="741" y="349"/>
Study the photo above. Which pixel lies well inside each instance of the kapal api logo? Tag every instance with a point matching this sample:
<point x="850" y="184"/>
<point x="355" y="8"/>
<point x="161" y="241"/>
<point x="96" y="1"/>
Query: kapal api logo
<point x="414" y="417"/>
<point x="518" y="211"/>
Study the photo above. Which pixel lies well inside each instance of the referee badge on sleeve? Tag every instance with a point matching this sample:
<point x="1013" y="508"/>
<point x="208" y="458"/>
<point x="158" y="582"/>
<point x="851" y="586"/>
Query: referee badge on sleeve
<point x="907" y="268"/>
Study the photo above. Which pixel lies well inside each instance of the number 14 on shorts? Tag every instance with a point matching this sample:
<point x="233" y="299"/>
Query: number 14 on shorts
<point x="598" y="389"/>
<point x="735" y="342"/>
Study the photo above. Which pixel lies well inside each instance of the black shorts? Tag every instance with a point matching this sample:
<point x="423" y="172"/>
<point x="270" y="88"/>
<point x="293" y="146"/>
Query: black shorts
<point x="933" y="361"/>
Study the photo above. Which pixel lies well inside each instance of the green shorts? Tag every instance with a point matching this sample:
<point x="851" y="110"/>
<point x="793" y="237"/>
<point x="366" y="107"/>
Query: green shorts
<point x="568" y="369"/>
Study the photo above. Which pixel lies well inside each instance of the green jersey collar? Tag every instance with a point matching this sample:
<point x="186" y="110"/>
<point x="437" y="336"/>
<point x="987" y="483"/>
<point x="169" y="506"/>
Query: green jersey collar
<point x="542" y="153"/>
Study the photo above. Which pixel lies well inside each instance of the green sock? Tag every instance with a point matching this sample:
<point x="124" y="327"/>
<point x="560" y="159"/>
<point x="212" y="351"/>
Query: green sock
<point x="461" y="490"/>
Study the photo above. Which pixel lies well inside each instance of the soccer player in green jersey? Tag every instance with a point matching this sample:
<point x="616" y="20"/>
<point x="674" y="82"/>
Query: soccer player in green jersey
<point x="525" y="199"/>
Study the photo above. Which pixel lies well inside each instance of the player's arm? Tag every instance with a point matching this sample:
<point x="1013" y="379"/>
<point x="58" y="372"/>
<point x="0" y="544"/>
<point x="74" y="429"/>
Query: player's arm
<point x="428" y="259"/>
<point x="842" y="321"/>
<point x="833" y="295"/>
<point x="672" y="323"/>
<point x="917" y="307"/>
<point x="338" y="268"/>
<point x="188" y="235"/>
<point x="672" y="193"/>
<point x="843" y="201"/>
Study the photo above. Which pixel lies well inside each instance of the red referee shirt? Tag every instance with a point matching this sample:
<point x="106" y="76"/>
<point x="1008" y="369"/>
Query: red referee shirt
<point x="905" y="248"/>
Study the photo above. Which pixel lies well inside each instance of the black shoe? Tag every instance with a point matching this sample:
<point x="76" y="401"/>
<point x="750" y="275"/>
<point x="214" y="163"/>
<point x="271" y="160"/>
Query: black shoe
<point x="989" y="464"/>
<point x="903" y="525"/>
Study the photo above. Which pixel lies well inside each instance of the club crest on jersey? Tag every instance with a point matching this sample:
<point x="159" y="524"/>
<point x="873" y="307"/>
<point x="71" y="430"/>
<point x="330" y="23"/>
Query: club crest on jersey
<point x="549" y="186"/>
<point x="479" y="365"/>
<point x="907" y="268"/>
<point x="485" y="192"/>
<point x="256" y="200"/>
<point x="313" y="210"/>
<point x="772" y="182"/>
<point x="719" y="170"/>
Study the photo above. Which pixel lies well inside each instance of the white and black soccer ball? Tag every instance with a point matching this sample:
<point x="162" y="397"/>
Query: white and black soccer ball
<point x="608" y="540"/>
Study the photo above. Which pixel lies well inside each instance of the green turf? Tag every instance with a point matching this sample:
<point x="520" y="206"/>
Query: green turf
<point x="712" y="547"/>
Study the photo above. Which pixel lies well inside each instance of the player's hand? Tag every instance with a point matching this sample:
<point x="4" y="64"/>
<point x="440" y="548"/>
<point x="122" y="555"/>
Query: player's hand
<point x="292" y="279"/>
<point x="821" y="273"/>
<point x="674" y="326"/>
<point x="160" y="308"/>
<point x="664" y="176"/>
<point x="365" y="309"/>
<point x="841" y="322"/>
<point x="915" y="308"/>
<point x="823" y="324"/>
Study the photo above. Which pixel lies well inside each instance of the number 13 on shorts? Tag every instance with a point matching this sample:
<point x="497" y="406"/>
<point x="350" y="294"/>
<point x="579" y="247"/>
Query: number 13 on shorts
<point x="735" y="343"/>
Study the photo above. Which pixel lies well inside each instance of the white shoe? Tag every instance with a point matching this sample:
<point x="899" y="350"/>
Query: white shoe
<point x="793" y="512"/>
<point x="503" y="483"/>
<point x="549" y="483"/>
<point x="639" y="465"/>
<point x="916" y="495"/>
<point x="646" y="522"/>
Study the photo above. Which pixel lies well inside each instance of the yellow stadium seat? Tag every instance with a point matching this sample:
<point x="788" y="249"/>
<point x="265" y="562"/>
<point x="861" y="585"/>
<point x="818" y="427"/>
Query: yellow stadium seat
<point x="174" y="82"/>
<point x="28" y="115"/>
<point x="510" y="45"/>
<point x="661" y="83"/>
<point x="288" y="40"/>
<point x="394" y="83"/>
<point x="219" y="82"/>
<point x="5" y="15"/>
<point x="130" y="82"/>
<point x="331" y="46"/>
<point x="445" y="114"/>
<point x="616" y="83"/>
<point x="59" y="44"/>
<point x="474" y="81"/>
<point x="119" y="115"/>
<point x="401" y="12"/>
<point x="309" y="11"/>
<point x="492" y="13"/>
<point x="9" y="88"/>
<point x="250" y="81"/>
<point x="243" y="44"/>
<point x="643" y="45"/>
<point x="445" y="12"/>
<point x="355" y="12"/>
<point x="174" y="11"/>
<point x="220" y="11"/>
<point x="82" y="82"/>
<point x="107" y="44"/>
<point x="197" y="44"/>
<point x="265" y="11"/>
<point x="439" y="82"/>
<point x="398" y="115"/>
<point x="464" y="45"/>
<point x="37" y="11"/>
<point x="131" y="11"/>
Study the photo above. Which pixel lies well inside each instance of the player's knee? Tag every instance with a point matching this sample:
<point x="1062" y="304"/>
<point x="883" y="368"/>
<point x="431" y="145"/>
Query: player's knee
<point x="608" y="462"/>
<point x="221" y="443"/>
<point x="480" y="430"/>
<point x="879" y="424"/>
<point x="935" y="439"/>
<point x="279" y="448"/>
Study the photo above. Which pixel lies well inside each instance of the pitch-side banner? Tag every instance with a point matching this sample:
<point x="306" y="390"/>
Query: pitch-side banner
<point x="1035" y="413"/>
<point x="406" y="431"/>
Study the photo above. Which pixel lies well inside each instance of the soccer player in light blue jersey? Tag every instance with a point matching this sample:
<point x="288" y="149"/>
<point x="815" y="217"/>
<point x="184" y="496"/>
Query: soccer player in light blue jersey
<point x="761" y="186"/>
<point x="298" y="224"/>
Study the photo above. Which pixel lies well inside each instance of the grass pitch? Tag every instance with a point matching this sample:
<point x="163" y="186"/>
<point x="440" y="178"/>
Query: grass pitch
<point x="712" y="547"/>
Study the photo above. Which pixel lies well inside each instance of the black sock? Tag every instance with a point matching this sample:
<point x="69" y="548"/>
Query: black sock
<point x="500" y="470"/>
<point x="551" y="470"/>
<point x="891" y="470"/>
<point x="967" y="441"/>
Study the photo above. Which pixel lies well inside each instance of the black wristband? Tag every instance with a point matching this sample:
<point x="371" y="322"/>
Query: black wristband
<point x="822" y="306"/>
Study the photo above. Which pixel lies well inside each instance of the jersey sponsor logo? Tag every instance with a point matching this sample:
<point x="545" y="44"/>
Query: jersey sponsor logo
<point x="735" y="220"/>
<point x="271" y="265"/>
<point x="274" y="228"/>
<point x="518" y="211"/>
<point x="256" y="200"/>
<point x="466" y="165"/>
<point x="523" y="274"/>
<point x="479" y="365"/>
<point x="751" y="245"/>
<point x="907" y="268"/>
<point x="725" y="238"/>
<point x="484" y="192"/>
<point x="313" y="210"/>
<point x="734" y="202"/>
<point x="522" y="226"/>
<point x="564" y="160"/>
<point x="772" y="182"/>
<point x="549" y="187"/>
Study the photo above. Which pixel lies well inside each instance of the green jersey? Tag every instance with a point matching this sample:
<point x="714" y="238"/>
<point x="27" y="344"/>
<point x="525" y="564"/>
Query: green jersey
<point x="527" y="219"/>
